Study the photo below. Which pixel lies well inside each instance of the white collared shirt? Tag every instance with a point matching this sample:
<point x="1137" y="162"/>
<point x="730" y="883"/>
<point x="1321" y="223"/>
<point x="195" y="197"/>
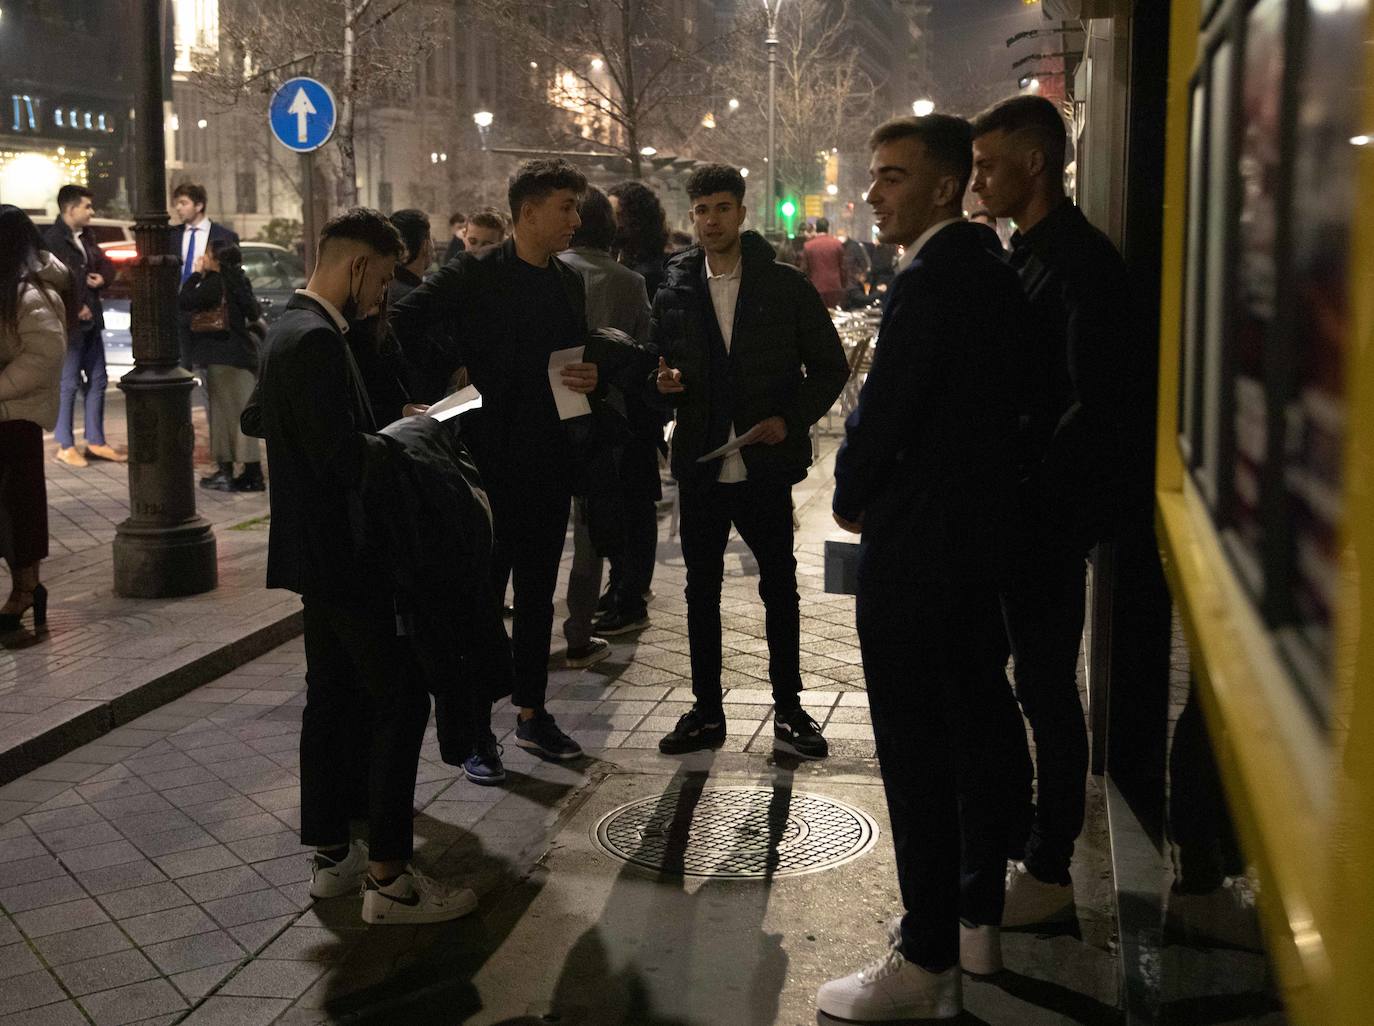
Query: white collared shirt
<point x="909" y="254"/>
<point x="193" y="244"/>
<point x="329" y="308"/>
<point x="724" y="297"/>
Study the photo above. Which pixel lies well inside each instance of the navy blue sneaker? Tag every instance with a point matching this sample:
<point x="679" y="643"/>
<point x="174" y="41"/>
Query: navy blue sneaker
<point x="696" y="730"/>
<point x="483" y="766"/>
<point x="540" y="734"/>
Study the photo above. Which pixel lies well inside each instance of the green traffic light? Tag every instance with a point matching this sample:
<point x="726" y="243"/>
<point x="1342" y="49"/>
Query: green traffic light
<point x="788" y="208"/>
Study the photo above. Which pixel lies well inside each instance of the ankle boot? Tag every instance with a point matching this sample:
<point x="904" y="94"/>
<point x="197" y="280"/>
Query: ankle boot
<point x="221" y="480"/>
<point x="251" y="479"/>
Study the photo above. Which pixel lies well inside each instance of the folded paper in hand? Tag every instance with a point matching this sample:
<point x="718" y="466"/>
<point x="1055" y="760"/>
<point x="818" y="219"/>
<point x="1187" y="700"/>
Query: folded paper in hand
<point x="459" y="402"/>
<point x="748" y="438"/>
<point x="570" y="404"/>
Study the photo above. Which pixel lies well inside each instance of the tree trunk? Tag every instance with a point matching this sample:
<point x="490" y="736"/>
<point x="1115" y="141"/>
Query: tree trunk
<point x="628" y="101"/>
<point x="348" y="163"/>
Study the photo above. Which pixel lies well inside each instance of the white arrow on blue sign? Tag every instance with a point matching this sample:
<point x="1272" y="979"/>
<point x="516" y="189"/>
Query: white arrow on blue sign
<point x="302" y="114"/>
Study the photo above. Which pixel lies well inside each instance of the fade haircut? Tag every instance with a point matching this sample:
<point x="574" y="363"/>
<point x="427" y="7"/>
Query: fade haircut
<point x="193" y="192"/>
<point x="366" y="226"/>
<point x="948" y="141"/>
<point x="1037" y="117"/>
<point x="70" y="195"/>
<point x="414" y="228"/>
<point x="536" y="179"/>
<point x="490" y="219"/>
<point x="710" y="179"/>
<point x="597" y="230"/>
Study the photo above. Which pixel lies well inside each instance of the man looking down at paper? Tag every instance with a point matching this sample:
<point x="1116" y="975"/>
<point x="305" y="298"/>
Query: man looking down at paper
<point x="750" y="361"/>
<point x="515" y="307"/>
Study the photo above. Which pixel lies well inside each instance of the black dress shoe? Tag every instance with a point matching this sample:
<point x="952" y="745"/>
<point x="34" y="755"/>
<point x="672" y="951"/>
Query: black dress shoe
<point x="619" y="621"/>
<point x="249" y="481"/>
<point x="219" y="481"/>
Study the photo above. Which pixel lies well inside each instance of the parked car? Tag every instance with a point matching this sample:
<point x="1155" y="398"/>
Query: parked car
<point x="274" y="272"/>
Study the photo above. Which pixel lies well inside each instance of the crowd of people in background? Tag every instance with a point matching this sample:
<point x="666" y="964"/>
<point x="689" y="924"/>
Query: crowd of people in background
<point x="992" y="444"/>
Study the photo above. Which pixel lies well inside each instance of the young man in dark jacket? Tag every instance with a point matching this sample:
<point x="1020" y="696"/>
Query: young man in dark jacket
<point x="91" y="272"/>
<point x="1098" y="449"/>
<point x="751" y="358"/>
<point x="927" y="472"/>
<point x="516" y="305"/>
<point x="366" y="704"/>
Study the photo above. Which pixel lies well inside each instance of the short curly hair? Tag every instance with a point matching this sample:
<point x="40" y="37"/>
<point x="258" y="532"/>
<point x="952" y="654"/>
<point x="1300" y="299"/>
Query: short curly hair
<point x="710" y="179"/>
<point x="641" y="232"/>
<point x="535" y="179"/>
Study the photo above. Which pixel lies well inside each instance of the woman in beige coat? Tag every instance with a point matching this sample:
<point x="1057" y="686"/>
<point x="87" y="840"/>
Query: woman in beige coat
<point x="33" y="339"/>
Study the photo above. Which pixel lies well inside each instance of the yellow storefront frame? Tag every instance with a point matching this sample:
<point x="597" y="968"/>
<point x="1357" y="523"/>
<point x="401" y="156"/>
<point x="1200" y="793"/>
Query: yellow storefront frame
<point x="1313" y="850"/>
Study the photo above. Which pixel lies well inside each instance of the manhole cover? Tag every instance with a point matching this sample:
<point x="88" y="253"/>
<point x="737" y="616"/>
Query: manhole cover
<point x="741" y="833"/>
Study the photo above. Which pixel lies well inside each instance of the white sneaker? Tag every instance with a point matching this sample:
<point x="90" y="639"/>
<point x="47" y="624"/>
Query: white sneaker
<point x="330" y="879"/>
<point x="893" y="988"/>
<point x="1031" y="900"/>
<point x="413" y="898"/>
<point x="980" y="947"/>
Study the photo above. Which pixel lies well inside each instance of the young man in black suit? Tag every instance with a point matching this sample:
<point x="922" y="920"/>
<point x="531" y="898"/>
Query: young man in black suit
<point x="927" y="474"/>
<point x="193" y="238"/>
<point x="515" y="305"/>
<point x="366" y="702"/>
<point x="749" y="354"/>
<point x="1097" y="463"/>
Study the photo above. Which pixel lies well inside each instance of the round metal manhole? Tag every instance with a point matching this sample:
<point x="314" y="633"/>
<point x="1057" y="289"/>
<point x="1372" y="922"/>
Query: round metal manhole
<point x="740" y="833"/>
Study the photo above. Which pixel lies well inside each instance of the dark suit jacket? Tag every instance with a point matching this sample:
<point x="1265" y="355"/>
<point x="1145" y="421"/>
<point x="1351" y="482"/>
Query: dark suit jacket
<point x="1098" y="435"/>
<point x="929" y="457"/>
<point x="83" y="259"/>
<point x="218" y="233"/>
<point x="311" y="407"/>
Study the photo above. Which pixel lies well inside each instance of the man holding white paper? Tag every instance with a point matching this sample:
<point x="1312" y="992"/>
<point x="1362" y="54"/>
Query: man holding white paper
<point x="518" y="313"/>
<point x="750" y="362"/>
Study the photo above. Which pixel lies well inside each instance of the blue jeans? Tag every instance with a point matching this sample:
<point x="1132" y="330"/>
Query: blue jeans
<point x="85" y="355"/>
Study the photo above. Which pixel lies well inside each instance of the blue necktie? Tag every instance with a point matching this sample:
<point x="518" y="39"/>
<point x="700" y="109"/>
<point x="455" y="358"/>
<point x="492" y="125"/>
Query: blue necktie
<point x="190" y="261"/>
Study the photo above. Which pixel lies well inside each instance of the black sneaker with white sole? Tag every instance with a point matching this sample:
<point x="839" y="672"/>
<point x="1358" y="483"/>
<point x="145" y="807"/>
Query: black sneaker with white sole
<point x="696" y="730"/>
<point x="795" y="732"/>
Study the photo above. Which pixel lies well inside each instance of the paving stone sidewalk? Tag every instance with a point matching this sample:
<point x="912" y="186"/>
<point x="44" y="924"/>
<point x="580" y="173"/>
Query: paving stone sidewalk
<point x="154" y="876"/>
<point x="105" y="659"/>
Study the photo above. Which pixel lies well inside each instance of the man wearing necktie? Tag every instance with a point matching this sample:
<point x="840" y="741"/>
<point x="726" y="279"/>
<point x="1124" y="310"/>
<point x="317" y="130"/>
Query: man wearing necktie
<point x="196" y="233"/>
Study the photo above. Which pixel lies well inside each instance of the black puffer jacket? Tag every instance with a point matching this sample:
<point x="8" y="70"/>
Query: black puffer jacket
<point x="785" y="360"/>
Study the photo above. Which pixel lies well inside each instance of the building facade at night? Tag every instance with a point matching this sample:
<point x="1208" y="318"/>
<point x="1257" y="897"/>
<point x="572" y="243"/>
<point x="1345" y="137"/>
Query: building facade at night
<point x="66" y="93"/>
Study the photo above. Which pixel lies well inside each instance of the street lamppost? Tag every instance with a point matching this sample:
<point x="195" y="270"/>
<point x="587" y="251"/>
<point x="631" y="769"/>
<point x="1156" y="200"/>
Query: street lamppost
<point x="483" y="120"/>
<point x="771" y="216"/>
<point x="164" y="548"/>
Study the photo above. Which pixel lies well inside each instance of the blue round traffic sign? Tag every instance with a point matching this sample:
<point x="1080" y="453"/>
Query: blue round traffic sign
<point x="302" y="114"/>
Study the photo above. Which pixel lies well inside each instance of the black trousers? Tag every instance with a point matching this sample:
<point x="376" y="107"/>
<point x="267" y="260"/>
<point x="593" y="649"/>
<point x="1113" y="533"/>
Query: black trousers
<point x="531" y="526"/>
<point x="939" y="697"/>
<point x="762" y="513"/>
<point x="365" y="713"/>
<point x="632" y="568"/>
<point x="1044" y="607"/>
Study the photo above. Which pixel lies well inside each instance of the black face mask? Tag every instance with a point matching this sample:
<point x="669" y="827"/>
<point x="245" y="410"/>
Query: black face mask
<point x="350" y="308"/>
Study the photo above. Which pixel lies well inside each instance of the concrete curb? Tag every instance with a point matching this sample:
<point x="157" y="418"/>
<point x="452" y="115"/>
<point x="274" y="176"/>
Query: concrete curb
<point x="143" y="697"/>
